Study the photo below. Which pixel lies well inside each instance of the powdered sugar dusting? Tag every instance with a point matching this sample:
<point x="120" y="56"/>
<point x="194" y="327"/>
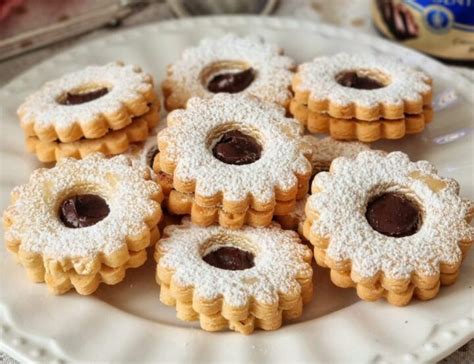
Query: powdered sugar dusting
<point x="124" y="82"/>
<point x="319" y="78"/>
<point x="273" y="70"/>
<point x="279" y="259"/>
<point x="35" y="212"/>
<point x="341" y="206"/>
<point x="185" y="143"/>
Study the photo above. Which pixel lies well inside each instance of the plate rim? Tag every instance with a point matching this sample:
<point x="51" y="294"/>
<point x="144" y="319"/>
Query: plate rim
<point x="30" y="344"/>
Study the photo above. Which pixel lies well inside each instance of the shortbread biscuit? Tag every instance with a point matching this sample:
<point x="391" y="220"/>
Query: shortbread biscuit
<point x="361" y="86"/>
<point x="245" y="65"/>
<point x="112" y="143"/>
<point x="87" y="103"/>
<point x="235" y="154"/>
<point x="234" y="279"/>
<point x="365" y="131"/>
<point x="396" y="232"/>
<point x="83" y="222"/>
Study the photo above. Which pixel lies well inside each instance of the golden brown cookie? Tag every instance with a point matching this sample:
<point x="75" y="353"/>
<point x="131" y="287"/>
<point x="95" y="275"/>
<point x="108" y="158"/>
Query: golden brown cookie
<point x="396" y="232"/>
<point x="87" y="103"/>
<point x="361" y="86"/>
<point x="234" y="279"/>
<point x="83" y="222"/>
<point x="220" y="170"/>
<point x="243" y="65"/>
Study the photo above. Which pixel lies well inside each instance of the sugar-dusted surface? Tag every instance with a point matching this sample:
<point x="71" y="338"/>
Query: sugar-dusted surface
<point x="341" y="206"/>
<point x="319" y="78"/>
<point x="327" y="149"/>
<point x="34" y="214"/>
<point x="185" y="143"/>
<point x="273" y="70"/>
<point x="279" y="259"/>
<point x="124" y="82"/>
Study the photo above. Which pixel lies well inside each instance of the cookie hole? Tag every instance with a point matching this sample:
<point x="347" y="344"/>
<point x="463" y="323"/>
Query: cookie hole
<point x="151" y="154"/>
<point x="83" y="210"/>
<point x="83" y="95"/>
<point x="228" y="252"/>
<point x="394" y="214"/>
<point x="363" y="79"/>
<point x="227" y="76"/>
<point x="235" y="144"/>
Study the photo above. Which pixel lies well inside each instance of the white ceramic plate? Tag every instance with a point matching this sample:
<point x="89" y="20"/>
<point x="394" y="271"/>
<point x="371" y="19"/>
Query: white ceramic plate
<point x="128" y="323"/>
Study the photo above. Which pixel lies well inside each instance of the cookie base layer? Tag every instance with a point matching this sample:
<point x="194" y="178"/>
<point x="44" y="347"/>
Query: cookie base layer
<point x="114" y="142"/>
<point x="179" y="203"/>
<point x="215" y="315"/>
<point x="62" y="276"/>
<point x="365" y="131"/>
<point x="206" y="211"/>
<point x="398" y="292"/>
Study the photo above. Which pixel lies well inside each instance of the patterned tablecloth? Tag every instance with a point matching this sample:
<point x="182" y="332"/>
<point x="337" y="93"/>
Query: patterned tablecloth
<point x="345" y="13"/>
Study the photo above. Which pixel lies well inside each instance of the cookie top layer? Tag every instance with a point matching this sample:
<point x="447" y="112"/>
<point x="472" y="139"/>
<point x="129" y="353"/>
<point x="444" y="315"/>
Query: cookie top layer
<point x="342" y="204"/>
<point x="125" y="85"/>
<point x="325" y="78"/>
<point x="272" y="72"/>
<point x="188" y="141"/>
<point x="279" y="260"/>
<point x="33" y="217"/>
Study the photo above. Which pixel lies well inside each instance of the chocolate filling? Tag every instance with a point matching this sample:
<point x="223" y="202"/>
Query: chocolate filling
<point x="393" y="214"/>
<point x="83" y="210"/>
<point x="151" y="154"/>
<point x="230" y="258"/>
<point x="235" y="147"/>
<point x="353" y="80"/>
<point x="82" y="98"/>
<point x="231" y="82"/>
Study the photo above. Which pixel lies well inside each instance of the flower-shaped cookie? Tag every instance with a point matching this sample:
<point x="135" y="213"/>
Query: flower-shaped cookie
<point x="238" y="279"/>
<point x="233" y="64"/>
<point x="87" y="103"/>
<point x="83" y="222"/>
<point x="388" y="226"/>
<point x="361" y="86"/>
<point x="236" y="152"/>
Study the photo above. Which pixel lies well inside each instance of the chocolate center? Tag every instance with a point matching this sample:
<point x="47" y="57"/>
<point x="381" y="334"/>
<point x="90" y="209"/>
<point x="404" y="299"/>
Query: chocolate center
<point x="361" y="82"/>
<point x="83" y="210"/>
<point x="81" y="98"/>
<point x="230" y="258"/>
<point x="235" y="147"/>
<point x="393" y="214"/>
<point x="151" y="154"/>
<point x="231" y="82"/>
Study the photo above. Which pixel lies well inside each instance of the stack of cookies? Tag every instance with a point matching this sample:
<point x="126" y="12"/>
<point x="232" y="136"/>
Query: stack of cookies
<point x="98" y="109"/>
<point x="92" y="220"/>
<point x="363" y="97"/>
<point x="232" y="159"/>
